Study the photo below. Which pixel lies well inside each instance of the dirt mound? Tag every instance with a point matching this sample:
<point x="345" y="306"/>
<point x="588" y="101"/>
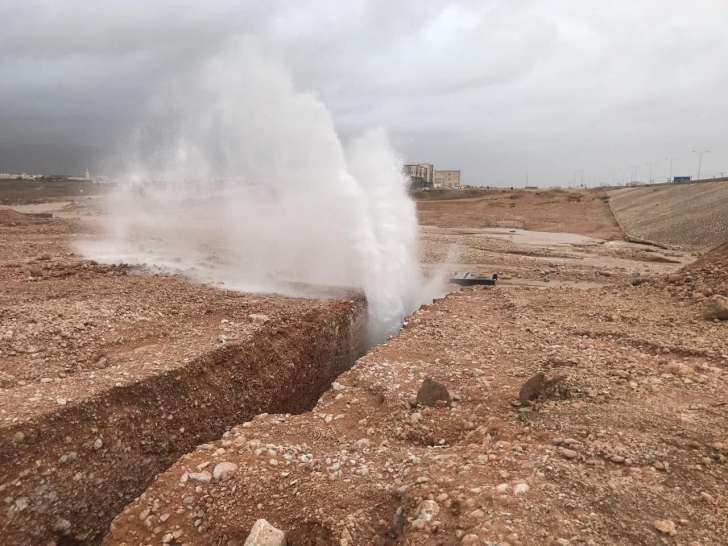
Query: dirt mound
<point x="709" y="274"/>
<point x="703" y="279"/>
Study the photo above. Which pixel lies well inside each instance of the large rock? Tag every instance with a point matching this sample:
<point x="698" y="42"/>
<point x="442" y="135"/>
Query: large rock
<point x="533" y="388"/>
<point x="431" y="393"/>
<point x="717" y="308"/>
<point x="264" y="534"/>
<point x="223" y="471"/>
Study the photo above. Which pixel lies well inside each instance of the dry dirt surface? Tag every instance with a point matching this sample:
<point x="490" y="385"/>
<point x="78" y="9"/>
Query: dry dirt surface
<point x="626" y="442"/>
<point x="586" y="404"/>
<point x="579" y="212"/>
<point x="14" y="192"/>
<point x="689" y="216"/>
<point x="108" y="374"/>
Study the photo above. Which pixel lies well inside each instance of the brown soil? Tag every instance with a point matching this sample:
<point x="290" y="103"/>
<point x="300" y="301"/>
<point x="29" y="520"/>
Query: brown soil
<point x="9" y="217"/>
<point x="636" y="433"/>
<point x="624" y="440"/>
<point x="584" y="213"/>
<point x="108" y="375"/>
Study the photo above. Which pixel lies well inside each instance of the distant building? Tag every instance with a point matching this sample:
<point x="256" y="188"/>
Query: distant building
<point x="420" y="174"/>
<point x="681" y="179"/>
<point x="424" y="176"/>
<point x="446" y="180"/>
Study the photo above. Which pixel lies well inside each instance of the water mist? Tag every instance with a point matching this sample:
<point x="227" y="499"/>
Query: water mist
<point x="235" y="177"/>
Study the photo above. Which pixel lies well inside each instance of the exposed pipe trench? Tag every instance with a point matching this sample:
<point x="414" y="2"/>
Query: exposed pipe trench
<point x="64" y="477"/>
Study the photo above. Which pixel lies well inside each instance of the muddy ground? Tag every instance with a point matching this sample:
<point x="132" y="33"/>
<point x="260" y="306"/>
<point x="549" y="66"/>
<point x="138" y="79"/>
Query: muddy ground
<point x="586" y="404"/>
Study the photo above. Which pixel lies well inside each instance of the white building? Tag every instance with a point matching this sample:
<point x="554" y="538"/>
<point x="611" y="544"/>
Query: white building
<point x="449" y="180"/>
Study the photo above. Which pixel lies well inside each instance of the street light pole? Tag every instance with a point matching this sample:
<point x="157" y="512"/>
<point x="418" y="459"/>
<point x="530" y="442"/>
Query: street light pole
<point x="700" y="159"/>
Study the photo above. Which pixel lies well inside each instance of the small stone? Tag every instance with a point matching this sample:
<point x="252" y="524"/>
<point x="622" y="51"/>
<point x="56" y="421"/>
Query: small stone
<point x="520" y="489"/>
<point x="717" y="308"/>
<point x="204" y="477"/>
<point x="666" y="526"/>
<point x="98" y="443"/>
<point x="502" y="488"/>
<point x="264" y="534"/>
<point x="470" y="540"/>
<point x="707" y="497"/>
<point x="568" y="453"/>
<point x="431" y="392"/>
<point x="62" y="526"/>
<point x="224" y="471"/>
<point x="261" y="319"/>
<point x="427" y="510"/>
<point x="477" y="514"/>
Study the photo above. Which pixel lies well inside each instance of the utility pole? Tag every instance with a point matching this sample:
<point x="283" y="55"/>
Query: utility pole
<point x="670" y="159"/>
<point x="634" y="170"/>
<point x="700" y="159"/>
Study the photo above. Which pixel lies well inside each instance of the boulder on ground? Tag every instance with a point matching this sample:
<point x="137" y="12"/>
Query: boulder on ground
<point x="533" y="388"/>
<point x="717" y="308"/>
<point x="431" y="393"/>
<point x="264" y="534"/>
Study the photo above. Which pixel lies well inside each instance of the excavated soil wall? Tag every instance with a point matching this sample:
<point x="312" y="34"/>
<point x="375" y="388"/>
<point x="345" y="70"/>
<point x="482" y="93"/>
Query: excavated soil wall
<point x="66" y="473"/>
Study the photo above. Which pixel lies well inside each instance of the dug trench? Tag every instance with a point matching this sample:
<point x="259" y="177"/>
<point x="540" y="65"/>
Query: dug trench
<point x="69" y="466"/>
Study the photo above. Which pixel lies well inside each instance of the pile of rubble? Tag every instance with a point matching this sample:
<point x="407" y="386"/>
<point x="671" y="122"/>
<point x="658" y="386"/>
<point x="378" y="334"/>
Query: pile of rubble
<point x="705" y="281"/>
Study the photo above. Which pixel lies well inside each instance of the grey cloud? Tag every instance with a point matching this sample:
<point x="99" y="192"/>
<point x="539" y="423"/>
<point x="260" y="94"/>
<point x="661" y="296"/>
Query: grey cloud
<point x="494" y="87"/>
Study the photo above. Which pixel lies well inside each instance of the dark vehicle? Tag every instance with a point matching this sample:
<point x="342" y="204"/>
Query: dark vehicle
<point x="471" y="279"/>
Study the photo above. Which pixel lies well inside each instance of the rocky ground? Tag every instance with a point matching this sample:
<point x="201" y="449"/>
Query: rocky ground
<point x="109" y="373"/>
<point x="688" y="216"/>
<point x="581" y="401"/>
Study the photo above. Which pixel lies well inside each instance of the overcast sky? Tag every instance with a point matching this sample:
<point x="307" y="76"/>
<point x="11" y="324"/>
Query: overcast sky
<point x="561" y="90"/>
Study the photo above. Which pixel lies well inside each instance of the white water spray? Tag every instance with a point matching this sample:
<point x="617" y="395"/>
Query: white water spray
<point x="239" y="179"/>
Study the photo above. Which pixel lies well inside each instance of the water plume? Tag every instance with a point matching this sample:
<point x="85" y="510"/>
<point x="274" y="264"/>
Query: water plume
<point x="235" y="177"/>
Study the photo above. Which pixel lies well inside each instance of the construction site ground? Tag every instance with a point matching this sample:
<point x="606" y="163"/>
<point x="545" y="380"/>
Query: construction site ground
<point x="586" y="404"/>
<point x="109" y="373"/>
